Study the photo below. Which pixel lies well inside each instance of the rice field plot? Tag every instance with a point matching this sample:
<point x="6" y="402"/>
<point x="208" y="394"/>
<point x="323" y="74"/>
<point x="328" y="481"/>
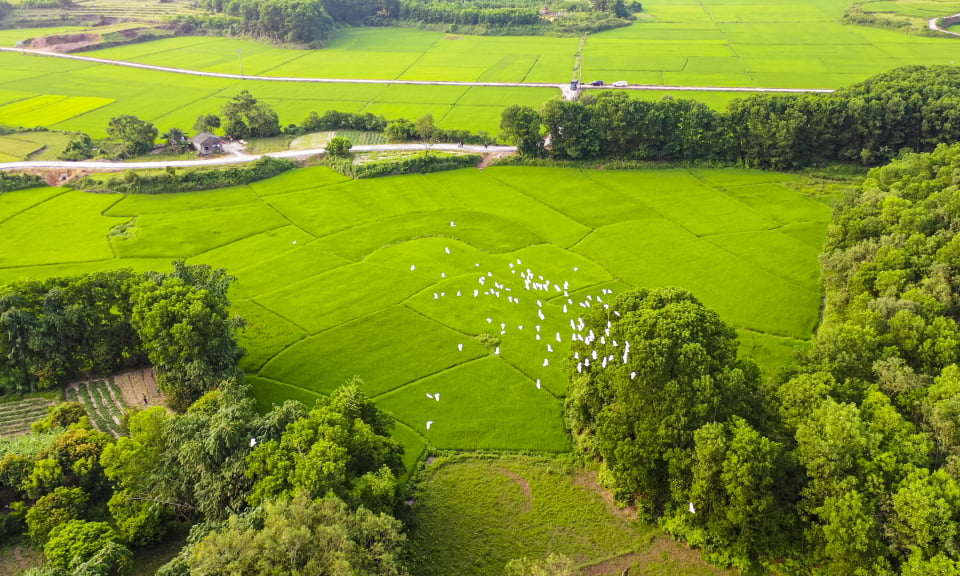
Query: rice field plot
<point x="468" y="284"/>
<point x="48" y="110"/>
<point x="103" y="401"/>
<point x="17" y="416"/>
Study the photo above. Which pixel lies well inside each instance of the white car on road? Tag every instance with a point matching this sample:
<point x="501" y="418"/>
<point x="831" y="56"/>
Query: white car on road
<point x="621" y="83"/>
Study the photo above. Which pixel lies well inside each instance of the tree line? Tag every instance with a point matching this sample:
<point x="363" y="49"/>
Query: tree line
<point x="296" y="490"/>
<point x="59" y="329"/>
<point x="846" y="464"/>
<point x="914" y="108"/>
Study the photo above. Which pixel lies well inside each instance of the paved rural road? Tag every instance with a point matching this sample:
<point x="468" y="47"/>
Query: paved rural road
<point x="415" y="82"/>
<point x="237" y="159"/>
<point x="935" y="26"/>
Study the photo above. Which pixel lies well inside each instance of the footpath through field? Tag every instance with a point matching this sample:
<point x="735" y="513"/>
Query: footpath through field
<point x="934" y="25"/>
<point x="241" y="158"/>
<point x="562" y="86"/>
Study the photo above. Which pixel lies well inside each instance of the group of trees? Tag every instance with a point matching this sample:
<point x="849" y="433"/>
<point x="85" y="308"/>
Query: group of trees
<point x="58" y="329"/>
<point x="848" y="463"/>
<point x="527" y="17"/>
<point x="293" y="491"/>
<point x="913" y="108"/>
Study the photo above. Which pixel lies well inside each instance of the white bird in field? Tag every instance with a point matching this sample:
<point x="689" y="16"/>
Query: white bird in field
<point x="538" y="327"/>
<point x="617" y="314"/>
<point x="489" y="320"/>
<point x="604" y="363"/>
<point x="503" y="325"/>
<point x="565" y="309"/>
<point x="413" y="267"/>
<point x="540" y="314"/>
<point x="615" y="344"/>
<point x="490" y="274"/>
<point x="625" y="353"/>
<point x="520" y="327"/>
<point x="593" y="354"/>
<point x="576" y="355"/>
<point x="575" y="269"/>
<point x="460" y="347"/>
<point x="443" y="274"/>
<point x="430" y="396"/>
<point x="436" y="396"/>
<point x="429" y="423"/>
<point x="476" y="293"/>
<point x="589" y="297"/>
<point x="546" y="362"/>
<point x="477" y="264"/>
<point x="606" y="306"/>
<point x="453" y="224"/>
<point x="519" y="263"/>
<point x="573" y="325"/>
<point x="436" y="296"/>
<point x="558" y="337"/>
<point x="253" y="442"/>
<point x="502" y="332"/>
<point x="633" y="375"/>
<point x="294" y="242"/>
<point x="539" y="304"/>
<point x="538" y="383"/>
<point x="510" y="264"/>
<point x="579" y="367"/>
<point x="692" y="509"/>
<point x="458" y="293"/>
<point x="447" y="249"/>
<point x="497" y="351"/>
<point x="481" y="280"/>
<point x="442" y="294"/>
<point x="538" y="336"/>
<point x="549" y="348"/>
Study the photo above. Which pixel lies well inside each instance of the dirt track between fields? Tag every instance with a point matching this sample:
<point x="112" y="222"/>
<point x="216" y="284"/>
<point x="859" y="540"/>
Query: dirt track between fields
<point x="561" y="86"/>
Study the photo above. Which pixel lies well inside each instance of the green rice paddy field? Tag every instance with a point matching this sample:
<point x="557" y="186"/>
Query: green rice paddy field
<point x="742" y="43"/>
<point x="437" y="284"/>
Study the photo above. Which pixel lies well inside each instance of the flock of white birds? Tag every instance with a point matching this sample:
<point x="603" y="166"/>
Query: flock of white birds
<point x="540" y="288"/>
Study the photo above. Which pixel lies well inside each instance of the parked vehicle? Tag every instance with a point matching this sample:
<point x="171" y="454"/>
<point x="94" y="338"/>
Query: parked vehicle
<point x="621" y="83"/>
<point x="597" y="83"/>
<point x="574" y="84"/>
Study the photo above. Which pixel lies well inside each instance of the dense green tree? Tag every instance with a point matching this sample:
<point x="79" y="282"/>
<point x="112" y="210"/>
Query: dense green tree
<point x="572" y="129"/>
<point x="177" y="141"/>
<point x="244" y="116"/>
<point x="339" y="147"/>
<point x="639" y="417"/>
<point x="79" y="147"/>
<point x="425" y="128"/>
<point x="207" y="123"/>
<point x="299" y="537"/>
<point x="343" y="446"/>
<point x="58" y="507"/>
<point x="74" y="543"/>
<point x="184" y="322"/>
<point x="740" y="485"/>
<point x="135" y="137"/>
<point x="400" y="130"/>
<point x="520" y="125"/>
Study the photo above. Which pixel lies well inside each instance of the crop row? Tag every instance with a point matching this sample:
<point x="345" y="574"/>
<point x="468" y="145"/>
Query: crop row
<point x="102" y="401"/>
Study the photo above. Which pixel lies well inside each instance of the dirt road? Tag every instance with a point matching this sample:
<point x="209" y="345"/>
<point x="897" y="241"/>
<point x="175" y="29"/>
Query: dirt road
<point x="107" y="166"/>
<point x="562" y="86"/>
<point x="934" y="25"/>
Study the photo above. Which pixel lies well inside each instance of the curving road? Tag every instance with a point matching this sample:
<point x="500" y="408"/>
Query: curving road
<point x="241" y="158"/>
<point x="935" y="25"/>
<point x="414" y="82"/>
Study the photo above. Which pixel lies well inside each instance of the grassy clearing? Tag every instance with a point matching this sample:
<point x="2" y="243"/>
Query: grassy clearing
<point x="494" y="509"/>
<point x="369" y="278"/>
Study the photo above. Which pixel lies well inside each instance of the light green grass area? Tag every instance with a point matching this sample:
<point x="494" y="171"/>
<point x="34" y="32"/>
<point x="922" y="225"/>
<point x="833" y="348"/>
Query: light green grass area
<point x="495" y="509"/>
<point x="386" y="278"/>
<point x="48" y="110"/>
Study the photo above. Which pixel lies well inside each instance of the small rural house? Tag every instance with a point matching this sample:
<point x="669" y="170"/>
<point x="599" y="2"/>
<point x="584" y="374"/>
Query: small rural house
<point x="206" y="143"/>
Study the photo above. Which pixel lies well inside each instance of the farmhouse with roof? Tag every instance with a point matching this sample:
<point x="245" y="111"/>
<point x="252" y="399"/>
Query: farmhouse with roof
<point x="206" y="143"/>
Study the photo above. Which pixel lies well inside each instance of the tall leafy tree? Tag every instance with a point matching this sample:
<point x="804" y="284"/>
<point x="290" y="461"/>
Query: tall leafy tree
<point x="135" y="136"/>
<point x="244" y="116"/>
<point x="521" y="126"/>
<point x="639" y="417"/>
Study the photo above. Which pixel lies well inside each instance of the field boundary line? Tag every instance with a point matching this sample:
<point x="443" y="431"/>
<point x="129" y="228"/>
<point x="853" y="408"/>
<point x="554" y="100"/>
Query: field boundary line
<point x="437" y="373"/>
<point x="762" y="333"/>
<point x="541" y="202"/>
<point x="31" y="207"/>
<point x="174" y="70"/>
<point x="275" y="381"/>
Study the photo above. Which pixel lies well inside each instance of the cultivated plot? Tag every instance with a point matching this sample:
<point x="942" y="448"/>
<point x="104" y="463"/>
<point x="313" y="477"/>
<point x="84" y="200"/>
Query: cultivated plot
<point x="452" y="296"/>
